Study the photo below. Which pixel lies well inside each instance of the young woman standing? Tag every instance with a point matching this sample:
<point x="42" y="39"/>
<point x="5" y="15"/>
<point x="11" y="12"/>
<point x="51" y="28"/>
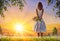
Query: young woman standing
<point x="40" y="24"/>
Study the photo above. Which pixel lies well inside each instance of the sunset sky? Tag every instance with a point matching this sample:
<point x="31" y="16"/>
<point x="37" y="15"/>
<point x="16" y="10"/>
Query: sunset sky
<point x="14" y="15"/>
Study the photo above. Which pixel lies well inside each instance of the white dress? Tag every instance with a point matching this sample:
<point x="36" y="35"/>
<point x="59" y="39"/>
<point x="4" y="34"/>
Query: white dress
<point x="40" y="25"/>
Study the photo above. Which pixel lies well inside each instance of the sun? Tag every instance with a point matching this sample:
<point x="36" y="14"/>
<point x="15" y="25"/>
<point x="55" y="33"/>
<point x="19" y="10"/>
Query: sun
<point x="19" y="27"/>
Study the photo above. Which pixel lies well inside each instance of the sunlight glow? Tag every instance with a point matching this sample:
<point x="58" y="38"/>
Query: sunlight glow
<point x="19" y="27"/>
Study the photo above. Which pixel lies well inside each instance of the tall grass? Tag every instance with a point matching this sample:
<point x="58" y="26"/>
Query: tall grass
<point x="29" y="39"/>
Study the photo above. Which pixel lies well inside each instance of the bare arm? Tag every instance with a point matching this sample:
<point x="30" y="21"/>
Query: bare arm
<point x="37" y="13"/>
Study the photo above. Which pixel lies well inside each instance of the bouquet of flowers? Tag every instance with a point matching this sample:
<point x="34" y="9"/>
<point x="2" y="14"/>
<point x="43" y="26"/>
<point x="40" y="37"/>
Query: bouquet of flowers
<point x="36" y="18"/>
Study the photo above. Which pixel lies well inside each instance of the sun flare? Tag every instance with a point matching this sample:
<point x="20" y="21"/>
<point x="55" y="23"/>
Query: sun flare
<point x="19" y="27"/>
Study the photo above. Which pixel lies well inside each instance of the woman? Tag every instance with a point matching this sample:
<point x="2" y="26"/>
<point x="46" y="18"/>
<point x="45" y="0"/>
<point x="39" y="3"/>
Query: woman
<point x="40" y="25"/>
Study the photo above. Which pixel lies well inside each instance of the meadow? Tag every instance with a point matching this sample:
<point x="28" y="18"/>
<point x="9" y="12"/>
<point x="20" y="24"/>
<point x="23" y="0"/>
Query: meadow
<point x="30" y="39"/>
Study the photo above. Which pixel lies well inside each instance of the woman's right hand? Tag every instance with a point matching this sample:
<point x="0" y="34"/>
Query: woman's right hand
<point x="34" y="18"/>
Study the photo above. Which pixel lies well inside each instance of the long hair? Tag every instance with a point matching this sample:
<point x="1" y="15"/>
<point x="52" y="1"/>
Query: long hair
<point x="40" y="6"/>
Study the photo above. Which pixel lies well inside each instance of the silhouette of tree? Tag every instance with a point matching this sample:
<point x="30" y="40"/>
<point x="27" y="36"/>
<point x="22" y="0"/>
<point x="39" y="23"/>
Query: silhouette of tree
<point x="56" y="5"/>
<point x="54" y="31"/>
<point x="6" y="3"/>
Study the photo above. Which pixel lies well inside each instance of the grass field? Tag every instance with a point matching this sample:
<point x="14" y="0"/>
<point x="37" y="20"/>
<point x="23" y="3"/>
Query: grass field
<point x="30" y="39"/>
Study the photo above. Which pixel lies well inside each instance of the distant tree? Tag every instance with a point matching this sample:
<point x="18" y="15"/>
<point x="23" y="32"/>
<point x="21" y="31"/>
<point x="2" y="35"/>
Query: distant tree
<point x="48" y="34"/>
<point x="6" y="3"/>
<point x="56" y="5"/>
<point x="54" y="31"/>
<point x="0" y="31"/>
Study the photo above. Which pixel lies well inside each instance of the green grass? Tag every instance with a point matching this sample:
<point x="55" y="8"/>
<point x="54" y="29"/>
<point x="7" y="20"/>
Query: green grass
<point x="29" y="39"/>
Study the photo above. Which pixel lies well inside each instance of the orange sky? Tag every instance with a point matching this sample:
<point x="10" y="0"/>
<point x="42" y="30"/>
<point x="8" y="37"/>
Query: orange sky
<point x="14" y="15"/>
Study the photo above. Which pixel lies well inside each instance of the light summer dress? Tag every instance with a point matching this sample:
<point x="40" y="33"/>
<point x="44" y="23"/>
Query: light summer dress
<point x="40" y="25"/>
